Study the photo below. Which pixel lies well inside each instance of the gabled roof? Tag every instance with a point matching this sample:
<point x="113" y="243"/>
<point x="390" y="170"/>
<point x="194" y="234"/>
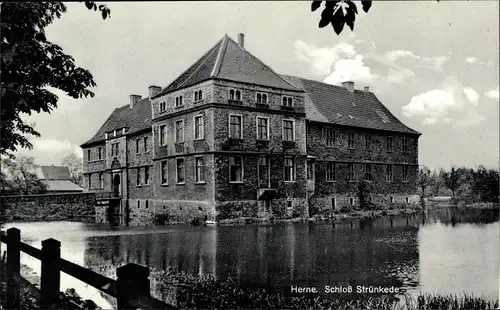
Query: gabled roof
<point x="337" y="105"/>
<point x="227" y="60"/>
<point x="135" y="119"/>
<point x="61" y="186"/>
<point x="54" y="173"/>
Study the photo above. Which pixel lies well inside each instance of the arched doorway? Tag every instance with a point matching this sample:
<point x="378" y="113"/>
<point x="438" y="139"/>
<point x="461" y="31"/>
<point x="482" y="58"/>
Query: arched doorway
<point x="116" y="185"/>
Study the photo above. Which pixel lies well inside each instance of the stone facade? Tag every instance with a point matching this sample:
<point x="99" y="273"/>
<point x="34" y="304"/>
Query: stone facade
<point x="198" y="169"/>
<point x="337" y="191"/>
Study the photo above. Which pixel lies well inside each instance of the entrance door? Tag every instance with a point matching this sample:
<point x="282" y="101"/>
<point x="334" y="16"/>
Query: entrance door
<point x="116" y="186"/>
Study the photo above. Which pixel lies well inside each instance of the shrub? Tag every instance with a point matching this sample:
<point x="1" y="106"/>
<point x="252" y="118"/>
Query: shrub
<point x="208" y="292"/>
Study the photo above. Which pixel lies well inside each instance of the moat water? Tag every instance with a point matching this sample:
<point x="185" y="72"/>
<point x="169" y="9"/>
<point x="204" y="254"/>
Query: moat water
<point x="445" y="251"/>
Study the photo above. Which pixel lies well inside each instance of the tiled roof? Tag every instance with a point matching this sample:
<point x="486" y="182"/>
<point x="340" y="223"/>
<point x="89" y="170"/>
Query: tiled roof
<point x="337" y="105"/>
<point x="55" y="173"/>
<point x="135" y="119"/>
<point x="61" y="186"/>
<point x="228" y="61"/>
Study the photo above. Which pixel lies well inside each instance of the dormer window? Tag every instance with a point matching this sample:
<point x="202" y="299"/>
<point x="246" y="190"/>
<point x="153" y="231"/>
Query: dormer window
<point x="261" y="98"/>
<point x="178" y="101"/>
<point x="123" y="130"/>
<point x="198" y="95"/>
<point x="163" y="106"/>
<point x="287" y="101"/>
<point x="114" y="133"/>
<point x="234" y="95"/>
<point x="106" y="135"/>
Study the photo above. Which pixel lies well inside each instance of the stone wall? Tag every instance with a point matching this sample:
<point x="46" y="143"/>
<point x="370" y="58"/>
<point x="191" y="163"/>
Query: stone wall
<point x="158" y="212"/>
<point x="49" y="207"/>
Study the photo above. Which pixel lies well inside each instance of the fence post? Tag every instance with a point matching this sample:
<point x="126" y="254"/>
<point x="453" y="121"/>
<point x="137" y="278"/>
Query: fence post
<point x="132" y="280"/>
<point x="13" y="267"/>
<point x="50" y="280"/>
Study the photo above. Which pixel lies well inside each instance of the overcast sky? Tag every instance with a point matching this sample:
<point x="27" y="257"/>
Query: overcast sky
<point x="434" y="65"/>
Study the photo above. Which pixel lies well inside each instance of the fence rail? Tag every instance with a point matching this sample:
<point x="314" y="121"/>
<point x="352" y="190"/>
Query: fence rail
<point x="131" y="289"/>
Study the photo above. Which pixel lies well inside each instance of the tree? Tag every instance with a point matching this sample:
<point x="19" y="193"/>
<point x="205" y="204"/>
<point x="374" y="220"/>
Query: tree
<point x="339" y="13"/>
<point x="453" y="179"/>
<point x="75" y="168"/>
<point x="437" y="182"/>
<point x="19" y="176"/>
<point x="30" y="64"/>
<point x="424" y="181"/>
<point x="485" y="184"/>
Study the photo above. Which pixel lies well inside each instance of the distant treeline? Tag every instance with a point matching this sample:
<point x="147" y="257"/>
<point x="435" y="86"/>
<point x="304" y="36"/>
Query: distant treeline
<point x="464" y="184"/>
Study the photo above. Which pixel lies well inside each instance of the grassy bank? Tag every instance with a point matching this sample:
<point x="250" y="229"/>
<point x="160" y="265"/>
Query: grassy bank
<point x="207" y="292"/>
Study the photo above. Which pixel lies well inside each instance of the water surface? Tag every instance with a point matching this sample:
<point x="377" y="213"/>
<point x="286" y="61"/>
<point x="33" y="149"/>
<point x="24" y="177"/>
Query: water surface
<point x="445" y="251"/>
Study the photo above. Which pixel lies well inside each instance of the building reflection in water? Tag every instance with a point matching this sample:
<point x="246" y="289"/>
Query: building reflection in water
<point x="275" y="257"/>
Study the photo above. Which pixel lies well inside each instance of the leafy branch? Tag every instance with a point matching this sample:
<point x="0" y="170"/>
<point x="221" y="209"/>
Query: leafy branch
<point x="339" y="13"/>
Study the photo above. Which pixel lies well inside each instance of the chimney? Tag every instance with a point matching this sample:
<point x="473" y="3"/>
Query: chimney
<point x="349" y="85"/>
<point x="134" y="99"/>
<point x="367" y="89"/>
<point x="153" y="90"/>
<point x="241" y="40"/>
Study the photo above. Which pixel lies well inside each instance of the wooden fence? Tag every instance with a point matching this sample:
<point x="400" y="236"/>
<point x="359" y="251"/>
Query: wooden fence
<point x="131" y="289"/>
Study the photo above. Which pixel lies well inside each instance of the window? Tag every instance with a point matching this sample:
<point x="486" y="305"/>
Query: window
<point x="163" y="135"/>
<point x="235" y="126"/>
<point x="89" y="180"/>
<point x="138" y="204"/>
<point x="287" y="101"/>
<point x="350" y="140"/>
<point x="405" y="173"/>
<point x="310" y="170"/>
<point x="137" y="146"/>
<point x="288" y="130"/>
<point x="404" y="145"/>
<point x="99" y="152"/>
<point x="199" y="169"/>
<point x="198" y="95"/>
<point x="234" y="95"/>
<point x="330" y="137"/>
<point x="261" y="98"/>
<point x="391" y="199"/>
<point x="146" y="204"/>
<point x="138" y="179"/>
<point x="199" y="127"/>
<point x="334" y="203"/>
<point x="351" y="201"/>
<point x="114" y="149"/>
<point x="146" y="175"/>
<point x="89" y="155"/>
<point x="289" y="170"/>
<point x="164" y="172"/>
<point x="262" y="128"/>
<point x="146" y="147"/>
<point x="179" y="131"/>
<point x="388" y="173"/>
<point x="350" y="175"/>
<point x="181" y="171"/>
<point x="263" y="171"/>
<point x="163" y="106"/>
<point x="407" y="199"/>
<point x="101" y="181"/>
<point x="389" y="144"/>
<point x="330" y="172"/>
<point x="178" y="101"/>
<point x="235" y="169"/>
<point x="368" y="142"/>
<point x="368" y="172"/>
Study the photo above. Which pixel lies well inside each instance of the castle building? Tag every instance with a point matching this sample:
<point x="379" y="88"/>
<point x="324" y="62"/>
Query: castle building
<point x="232" y="138"/>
